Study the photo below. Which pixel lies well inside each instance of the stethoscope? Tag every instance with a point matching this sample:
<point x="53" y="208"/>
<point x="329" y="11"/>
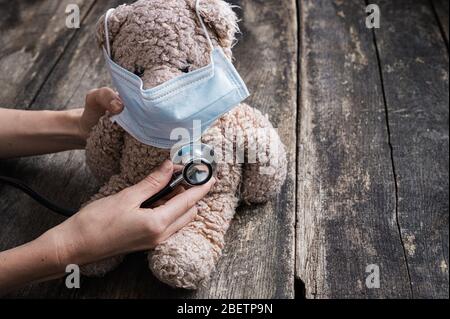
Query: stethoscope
<point x="198" y="167"/>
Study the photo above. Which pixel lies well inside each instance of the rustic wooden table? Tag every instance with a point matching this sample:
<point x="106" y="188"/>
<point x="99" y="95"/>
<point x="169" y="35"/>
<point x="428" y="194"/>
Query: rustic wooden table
<point x="364" y="115"/>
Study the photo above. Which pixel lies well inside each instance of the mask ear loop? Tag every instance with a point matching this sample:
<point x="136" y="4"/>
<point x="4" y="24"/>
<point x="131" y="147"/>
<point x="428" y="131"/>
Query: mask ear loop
<point x="197" y="10"/>
<point x="108" y="48"/>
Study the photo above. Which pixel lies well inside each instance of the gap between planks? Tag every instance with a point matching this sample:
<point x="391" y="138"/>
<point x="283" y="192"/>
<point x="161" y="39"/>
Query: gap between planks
<point x="391" y="150"/>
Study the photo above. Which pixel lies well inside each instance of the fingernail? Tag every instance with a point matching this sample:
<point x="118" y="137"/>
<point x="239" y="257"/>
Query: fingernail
<point x="167" y="166"/>
<point x="116" y="106"/>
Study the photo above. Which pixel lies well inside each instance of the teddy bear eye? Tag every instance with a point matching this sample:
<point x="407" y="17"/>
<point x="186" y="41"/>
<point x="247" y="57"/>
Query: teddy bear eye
<point x="139" y="70"/>
<point x="187" y="66"/>
<point x="185" y="69"/>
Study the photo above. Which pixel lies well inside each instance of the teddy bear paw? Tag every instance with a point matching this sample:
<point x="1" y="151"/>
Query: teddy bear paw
<point x="185" y="260"/>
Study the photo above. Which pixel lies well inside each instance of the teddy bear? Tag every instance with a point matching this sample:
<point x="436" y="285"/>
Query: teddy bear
<point x="159" y="40"/>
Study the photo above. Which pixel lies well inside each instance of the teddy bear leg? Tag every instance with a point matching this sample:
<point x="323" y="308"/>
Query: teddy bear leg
<point x="264" y="172"/>
<point x="100" y="268"/>
<point x="187" y="259"/>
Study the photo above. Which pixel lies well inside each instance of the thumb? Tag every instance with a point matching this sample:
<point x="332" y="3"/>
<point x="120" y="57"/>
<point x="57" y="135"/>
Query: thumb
<point x="109" y="100"/>
<point x="152" y="184"/>
<point x="98" y="102"/>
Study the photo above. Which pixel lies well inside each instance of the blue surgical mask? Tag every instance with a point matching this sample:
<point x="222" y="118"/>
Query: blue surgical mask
<point x="200" y="96"/>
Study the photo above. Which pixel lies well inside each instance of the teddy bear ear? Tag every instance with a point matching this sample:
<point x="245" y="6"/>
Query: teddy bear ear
<point x="115" y="22"/>
<point x="220" y="17"/>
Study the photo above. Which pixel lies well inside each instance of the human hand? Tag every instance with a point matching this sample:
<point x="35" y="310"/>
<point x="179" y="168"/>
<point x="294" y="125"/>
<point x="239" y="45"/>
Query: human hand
<point x="43" y="132"/>
<point x="98" y="102"/>
<point x="116" y="225"/>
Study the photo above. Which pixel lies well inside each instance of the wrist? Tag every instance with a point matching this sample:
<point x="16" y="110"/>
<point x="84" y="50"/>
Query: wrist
<point x="50" y="240"/>
<point x="73" y="243"/>
<point x="74" y="131"/>
<point x="65" y="245"/>
<point x="61" y="127"/>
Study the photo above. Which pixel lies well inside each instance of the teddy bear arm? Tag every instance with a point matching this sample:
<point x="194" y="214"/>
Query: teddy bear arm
<point x="265" y="167"/>
<point x="104" y="149"/>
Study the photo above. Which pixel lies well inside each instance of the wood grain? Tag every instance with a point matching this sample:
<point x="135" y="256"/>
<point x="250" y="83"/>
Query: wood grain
<point x="62" y="177"/>
<point x="346" y="218"/>
<point x="415" y="75"/>
<point x="258" y="261"/>
<point x="33" y="37"/>
<point x="369" y="146"/>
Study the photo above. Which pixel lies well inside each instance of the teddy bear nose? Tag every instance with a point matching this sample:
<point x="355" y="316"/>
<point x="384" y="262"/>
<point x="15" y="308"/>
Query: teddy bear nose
<point x="139" y="70"/>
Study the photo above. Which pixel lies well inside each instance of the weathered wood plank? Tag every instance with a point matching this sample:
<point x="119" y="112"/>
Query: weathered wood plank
<point x="415" y="65"/>
<point x="259" y="258"/>
<point x="346" y="192"/>
<point x="441" y="9"/>
<point x="33" y="37"/>
<point x="62" y="177"/>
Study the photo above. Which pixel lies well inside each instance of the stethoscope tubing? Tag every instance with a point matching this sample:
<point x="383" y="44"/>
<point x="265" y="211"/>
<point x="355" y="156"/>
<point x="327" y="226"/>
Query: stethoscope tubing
<point x="18" y="184"/>
<point x="163" y="193"/>
<point x="68" y="212"/>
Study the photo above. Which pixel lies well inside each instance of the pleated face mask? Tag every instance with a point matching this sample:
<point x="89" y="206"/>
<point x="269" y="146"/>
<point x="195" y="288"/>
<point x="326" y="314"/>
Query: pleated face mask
<point x="200" y="96"/>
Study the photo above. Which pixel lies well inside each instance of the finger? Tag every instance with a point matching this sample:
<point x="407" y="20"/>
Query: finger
<point x="178" y="190"/>
<point x="97" y="103"/>
<point x="116" y="107"/>
<point x="177" y="206"/>
<point x="158" y="203"/>
<point x="180" y="223"/>
<point x="177" y="168"/>
<point x="109" y="100"/>
<point x="150" y="185"/>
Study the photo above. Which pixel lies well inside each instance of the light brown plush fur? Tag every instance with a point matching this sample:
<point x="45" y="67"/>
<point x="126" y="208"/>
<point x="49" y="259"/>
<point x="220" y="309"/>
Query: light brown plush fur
<point x="159" y="40"/>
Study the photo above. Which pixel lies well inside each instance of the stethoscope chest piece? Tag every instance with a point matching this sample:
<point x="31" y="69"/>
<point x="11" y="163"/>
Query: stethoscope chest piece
<point x="199" y="166"/>
<point x="198" y="161"/>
